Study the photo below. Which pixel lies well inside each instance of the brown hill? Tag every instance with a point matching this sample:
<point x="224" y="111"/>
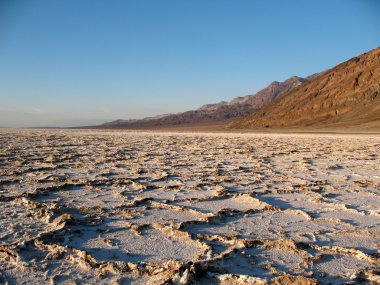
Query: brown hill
<point x="343" y="96"/>
<point x="219" y="113"/>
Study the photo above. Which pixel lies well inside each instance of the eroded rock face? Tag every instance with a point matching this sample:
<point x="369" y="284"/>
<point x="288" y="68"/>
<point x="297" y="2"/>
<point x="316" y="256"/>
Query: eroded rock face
<point x="80" y="207"/>
<point x="345" y="96"/>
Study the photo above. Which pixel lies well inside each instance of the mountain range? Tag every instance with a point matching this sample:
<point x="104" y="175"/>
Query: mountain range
<point x="343" y="96"/>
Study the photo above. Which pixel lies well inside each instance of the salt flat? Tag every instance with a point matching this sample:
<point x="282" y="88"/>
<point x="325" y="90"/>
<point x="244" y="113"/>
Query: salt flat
<point x="104" y="207"/>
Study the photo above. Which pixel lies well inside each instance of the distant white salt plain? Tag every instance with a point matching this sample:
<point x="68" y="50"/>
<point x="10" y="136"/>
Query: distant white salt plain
<point x="123" y="207"/>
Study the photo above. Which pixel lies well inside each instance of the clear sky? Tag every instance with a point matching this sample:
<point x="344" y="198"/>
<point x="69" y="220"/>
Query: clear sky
<point x="74" y="62"/>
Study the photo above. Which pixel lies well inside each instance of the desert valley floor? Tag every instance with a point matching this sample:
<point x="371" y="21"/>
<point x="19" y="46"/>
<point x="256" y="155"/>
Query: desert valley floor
<point x="103" y="207"/>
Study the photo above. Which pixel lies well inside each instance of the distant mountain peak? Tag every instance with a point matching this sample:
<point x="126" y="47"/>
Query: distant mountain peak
<point x="218" y="112"/>
<point x="212" y="106"/>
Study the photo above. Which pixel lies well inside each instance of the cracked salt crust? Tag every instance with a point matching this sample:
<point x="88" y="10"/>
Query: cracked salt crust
<point x="106" y="207"/>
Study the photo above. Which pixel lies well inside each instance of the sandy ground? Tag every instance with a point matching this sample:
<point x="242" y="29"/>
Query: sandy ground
<point x="102" y="207"/>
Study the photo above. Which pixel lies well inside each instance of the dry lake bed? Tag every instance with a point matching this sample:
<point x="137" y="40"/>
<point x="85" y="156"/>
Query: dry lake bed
<point x="102" y="207"/>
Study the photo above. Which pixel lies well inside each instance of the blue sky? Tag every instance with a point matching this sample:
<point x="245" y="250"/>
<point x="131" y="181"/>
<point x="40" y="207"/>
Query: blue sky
<point x="75" y="62"/>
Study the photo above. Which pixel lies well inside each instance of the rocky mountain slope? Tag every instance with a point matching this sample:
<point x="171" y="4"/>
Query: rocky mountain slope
<point x="345" y="95"/>
<point x="222" y="112"/>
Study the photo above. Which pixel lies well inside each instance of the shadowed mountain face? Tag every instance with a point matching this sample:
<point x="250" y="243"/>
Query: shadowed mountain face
<point x="346" y="95"/>
<point x="222" y="112"/>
